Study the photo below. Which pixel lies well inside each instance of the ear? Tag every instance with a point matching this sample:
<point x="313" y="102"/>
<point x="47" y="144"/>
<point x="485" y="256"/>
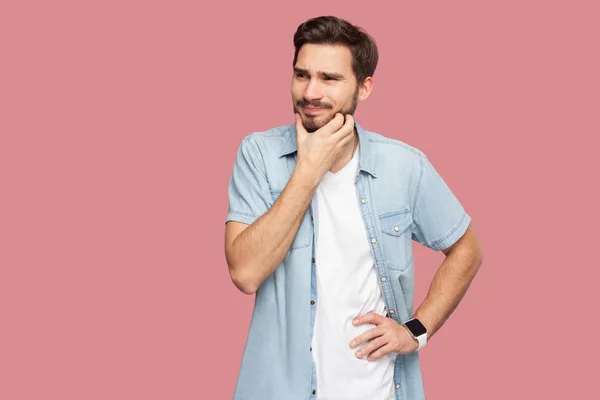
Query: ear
<point x="365" y="89"/>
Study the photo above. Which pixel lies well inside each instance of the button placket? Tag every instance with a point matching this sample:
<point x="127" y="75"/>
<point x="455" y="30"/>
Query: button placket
<point x="369" y="218"/>
<point x="384" y="283"/>
<point x="314" y="294"/>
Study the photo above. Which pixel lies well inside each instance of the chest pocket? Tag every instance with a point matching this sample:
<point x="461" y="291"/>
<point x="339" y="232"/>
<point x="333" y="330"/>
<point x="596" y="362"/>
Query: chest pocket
<point x="397" y="238"/>
<point x="303" y="237"/>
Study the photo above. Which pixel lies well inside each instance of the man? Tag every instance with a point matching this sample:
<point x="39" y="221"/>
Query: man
<point x="322" y="215"/>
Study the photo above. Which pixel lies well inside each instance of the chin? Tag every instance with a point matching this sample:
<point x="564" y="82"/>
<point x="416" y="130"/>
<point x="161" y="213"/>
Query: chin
<point x="321" y="119"/>
<point x="313" y="123"/>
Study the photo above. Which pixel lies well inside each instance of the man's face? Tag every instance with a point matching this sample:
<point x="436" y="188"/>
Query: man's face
<point x="323" y="84"/>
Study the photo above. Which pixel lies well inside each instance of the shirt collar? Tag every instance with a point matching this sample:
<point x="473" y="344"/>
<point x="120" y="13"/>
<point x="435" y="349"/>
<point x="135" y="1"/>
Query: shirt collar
<point x="366" y="159"/>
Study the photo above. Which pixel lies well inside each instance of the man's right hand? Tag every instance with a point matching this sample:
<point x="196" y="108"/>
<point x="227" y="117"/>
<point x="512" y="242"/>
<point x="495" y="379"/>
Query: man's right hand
<point x="318" y="151"/>
<point x="254" y="251"/>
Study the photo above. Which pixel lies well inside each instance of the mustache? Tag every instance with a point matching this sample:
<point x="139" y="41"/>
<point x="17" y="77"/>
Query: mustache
<point x="306" y="103"/>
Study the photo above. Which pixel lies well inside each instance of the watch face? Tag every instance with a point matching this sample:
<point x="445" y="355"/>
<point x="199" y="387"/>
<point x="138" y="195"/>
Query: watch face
<point x="416" y="327"/>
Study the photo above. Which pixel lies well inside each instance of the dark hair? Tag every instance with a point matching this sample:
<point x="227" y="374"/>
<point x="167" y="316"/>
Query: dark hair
<point x="336" y="31"/>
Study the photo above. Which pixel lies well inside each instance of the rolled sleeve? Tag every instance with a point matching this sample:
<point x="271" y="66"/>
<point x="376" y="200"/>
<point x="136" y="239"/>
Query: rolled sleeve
<point x="439" y="218"/>
<point x="248" y="188"/>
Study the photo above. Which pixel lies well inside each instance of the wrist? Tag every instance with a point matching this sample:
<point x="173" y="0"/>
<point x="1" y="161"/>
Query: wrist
<point x="417" y="331"/>
<point x="415" y="342"/>
<point x="306" y="177"/>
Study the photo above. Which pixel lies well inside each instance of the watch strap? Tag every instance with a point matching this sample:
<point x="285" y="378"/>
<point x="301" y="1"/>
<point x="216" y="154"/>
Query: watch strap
<point x="422" y="339"/>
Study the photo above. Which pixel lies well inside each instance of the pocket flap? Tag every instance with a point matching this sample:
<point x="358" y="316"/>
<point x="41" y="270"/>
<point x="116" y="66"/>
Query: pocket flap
<point x="395" y="223"/>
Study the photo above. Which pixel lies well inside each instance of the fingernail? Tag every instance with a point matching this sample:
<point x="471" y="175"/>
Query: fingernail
<point x="353" y="342"/>
<point x="355" y="321"/>
<point x="359" y="354"/>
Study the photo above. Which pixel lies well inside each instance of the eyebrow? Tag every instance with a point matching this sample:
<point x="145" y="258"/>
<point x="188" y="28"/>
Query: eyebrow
<point x="331" y="75"/>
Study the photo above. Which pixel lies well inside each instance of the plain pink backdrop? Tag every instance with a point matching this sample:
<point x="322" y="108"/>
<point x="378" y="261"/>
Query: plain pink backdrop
<point x="119" y="125"/>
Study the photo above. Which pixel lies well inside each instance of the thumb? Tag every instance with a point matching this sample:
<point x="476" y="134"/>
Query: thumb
<point x="299" y="126"/>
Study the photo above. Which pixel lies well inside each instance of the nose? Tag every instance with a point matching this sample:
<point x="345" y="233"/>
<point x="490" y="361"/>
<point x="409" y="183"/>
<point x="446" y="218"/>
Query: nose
<point x="312" y="91"/>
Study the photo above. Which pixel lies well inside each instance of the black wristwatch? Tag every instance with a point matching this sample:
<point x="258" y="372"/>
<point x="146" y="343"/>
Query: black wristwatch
<point x="418" y="331"/>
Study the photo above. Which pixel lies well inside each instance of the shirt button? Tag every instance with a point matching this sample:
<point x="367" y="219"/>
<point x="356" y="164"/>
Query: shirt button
<point x="312" y="302"/>
<point x="313" y="260"/>
<point x="383" y="279"/>
<point x="391" y="312"/>
<point x="314" y="392"/>
<point x="363" y="201"/>
<point x="397" y="386"/>
<point x="373" y="240"/>
<point x="396" y="228"/>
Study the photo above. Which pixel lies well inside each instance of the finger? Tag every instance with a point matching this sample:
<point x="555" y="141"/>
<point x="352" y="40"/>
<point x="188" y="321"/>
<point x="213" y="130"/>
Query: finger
<point x="299" y="126"/>
<point x="368" y="335"/>
<point x="372" y="346"/>
<point x="345" y="130"/>
<point x="370" y="317"/>
<point x="345" y="140"/>
<point x="380" y="352"/>
<point x="334" y="125"/>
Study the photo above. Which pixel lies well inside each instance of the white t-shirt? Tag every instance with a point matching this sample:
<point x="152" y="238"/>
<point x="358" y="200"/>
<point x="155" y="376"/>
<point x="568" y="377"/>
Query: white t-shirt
<point x="347" y="287"/>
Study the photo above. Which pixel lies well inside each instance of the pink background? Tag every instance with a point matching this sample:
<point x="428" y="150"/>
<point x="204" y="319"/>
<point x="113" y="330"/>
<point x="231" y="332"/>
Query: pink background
<point x="119" y="126"/>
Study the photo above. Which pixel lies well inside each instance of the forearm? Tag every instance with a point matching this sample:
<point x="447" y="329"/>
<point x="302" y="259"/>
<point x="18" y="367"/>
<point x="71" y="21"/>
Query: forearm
<point x="448" y="287"/>
<point x="261" y="247"/>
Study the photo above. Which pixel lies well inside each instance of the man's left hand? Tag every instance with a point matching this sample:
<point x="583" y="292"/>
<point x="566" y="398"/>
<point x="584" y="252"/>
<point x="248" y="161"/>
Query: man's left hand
<point x="386" y="337"/>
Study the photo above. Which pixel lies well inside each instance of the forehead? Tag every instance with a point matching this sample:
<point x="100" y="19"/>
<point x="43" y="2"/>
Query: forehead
<point x="325" y="58"/>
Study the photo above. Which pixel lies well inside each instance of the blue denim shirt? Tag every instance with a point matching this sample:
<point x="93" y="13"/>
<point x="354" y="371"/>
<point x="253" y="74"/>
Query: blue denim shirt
<point x="402" y="199"/>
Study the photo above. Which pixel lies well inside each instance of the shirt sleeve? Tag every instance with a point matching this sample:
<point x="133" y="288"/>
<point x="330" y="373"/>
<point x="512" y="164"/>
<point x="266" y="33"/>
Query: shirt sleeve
<point x="439" y="218"/>
<point x="248" y="188"/>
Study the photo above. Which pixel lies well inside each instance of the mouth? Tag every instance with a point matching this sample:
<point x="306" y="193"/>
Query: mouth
<point x="313" y="110"/>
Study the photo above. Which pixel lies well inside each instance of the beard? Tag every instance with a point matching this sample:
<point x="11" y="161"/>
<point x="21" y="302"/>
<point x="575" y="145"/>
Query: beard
<point x="312" y="124"/>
